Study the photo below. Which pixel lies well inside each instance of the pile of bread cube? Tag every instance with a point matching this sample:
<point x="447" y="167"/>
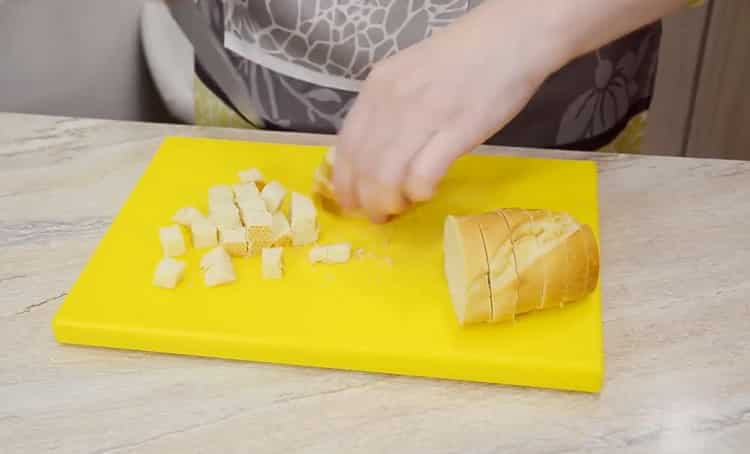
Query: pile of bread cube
<point x="245" y="219"/>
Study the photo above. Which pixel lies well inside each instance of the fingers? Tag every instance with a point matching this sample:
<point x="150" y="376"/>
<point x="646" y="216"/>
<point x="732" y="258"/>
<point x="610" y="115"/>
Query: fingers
<point x="383" y="176"/>
<point x="378" y="201"/>
<point x="381" y="173"/>
<point x="376" y="146"/>
<point x="352" y="132"/>
<point x="430" y="164"/>
<point x="343" y="181"/>
<point x="391" y="151"/>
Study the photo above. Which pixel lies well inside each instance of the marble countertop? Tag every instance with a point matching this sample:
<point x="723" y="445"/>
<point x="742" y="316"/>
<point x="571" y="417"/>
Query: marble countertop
<point x="675" y="283"/>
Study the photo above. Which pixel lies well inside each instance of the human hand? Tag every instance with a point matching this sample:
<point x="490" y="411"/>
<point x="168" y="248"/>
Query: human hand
<point x="422" y="108"/>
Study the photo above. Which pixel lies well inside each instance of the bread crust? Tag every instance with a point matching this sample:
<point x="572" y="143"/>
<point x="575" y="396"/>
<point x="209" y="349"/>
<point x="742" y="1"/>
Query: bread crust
<point x="503" y="279"/>
<point x="531" y="273"/>
<point x="534" y="259"/>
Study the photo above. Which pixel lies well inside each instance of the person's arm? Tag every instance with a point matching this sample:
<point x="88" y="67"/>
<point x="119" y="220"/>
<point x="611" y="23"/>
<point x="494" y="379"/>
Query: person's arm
<point x="590" y="24"/>
<point x="428" y="104"/>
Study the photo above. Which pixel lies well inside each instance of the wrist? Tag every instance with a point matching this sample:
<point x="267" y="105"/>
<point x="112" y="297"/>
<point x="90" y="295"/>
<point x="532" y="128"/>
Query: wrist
<point x="540" y="29"/>
<point x="577" y="27"/>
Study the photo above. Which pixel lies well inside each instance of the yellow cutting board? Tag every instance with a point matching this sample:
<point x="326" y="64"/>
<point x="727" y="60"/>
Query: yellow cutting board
<point x="387" y="310"/>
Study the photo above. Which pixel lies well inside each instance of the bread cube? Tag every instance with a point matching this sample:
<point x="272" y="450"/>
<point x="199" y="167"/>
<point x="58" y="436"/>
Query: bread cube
<point x="204" y="234"/>
<point x="172" y="242"/>
<point x="304" y="220"/>
<point x="334" y="253"/>
<point x="220" y="195"/>
<point x="252" y="176"/>
<point x="273" y="195"/>
<point x="244" y="191"/>
<point x="168" y="273"/>
<point x="234" y="241"/>
<point x="258" y="225"/>
<point x="227" y="216"/>
<point x="217" y="267"/>
<point x="272" y="265"/>
<point x="187" y="216"/>
<point x="249" y="205"/>
<point x="281" y="233"/>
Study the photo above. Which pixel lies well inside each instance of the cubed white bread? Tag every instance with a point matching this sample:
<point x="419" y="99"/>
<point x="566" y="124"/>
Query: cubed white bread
<point x="244" y="190"/>
<point x="304" y="224"/>
<point x="332" y="253"/>
<point x="250" y="205"/>
<point x="301" y="207"/>
<point x="172" y="241"/>
<point x="214" y="256"/>
<point x="255" y="247"/>
<point x="168" y="273"/>
<point x="273" y="195"/>
<point x="187" y="216"/>
<point x="217" y="267"/>
<point x="305" y="233"/>
<point x="204" y="234"/>
<point x="281" y="233"/>
<point x="234" y="241"/>
<point x="272" y="265"/>
<point x="227" y="216"/>
<point x="252" y="176"/>
<point x="219" y="275"/>
<point x="258" y="225"/>
<point x="219" y="204"/>
<point x="220" y="194"/>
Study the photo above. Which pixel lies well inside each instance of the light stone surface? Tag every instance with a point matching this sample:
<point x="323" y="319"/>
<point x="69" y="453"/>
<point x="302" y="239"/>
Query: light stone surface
<point x="675" y="277"/>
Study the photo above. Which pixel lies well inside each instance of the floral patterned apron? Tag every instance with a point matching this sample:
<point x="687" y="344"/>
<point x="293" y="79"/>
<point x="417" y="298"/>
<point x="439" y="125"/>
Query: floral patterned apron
<point x="303" y="61"/>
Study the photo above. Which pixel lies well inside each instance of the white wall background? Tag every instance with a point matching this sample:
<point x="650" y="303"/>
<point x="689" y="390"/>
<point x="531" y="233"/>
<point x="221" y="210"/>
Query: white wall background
<point x="75" y="57"/>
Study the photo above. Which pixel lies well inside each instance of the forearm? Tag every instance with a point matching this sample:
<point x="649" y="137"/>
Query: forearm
<point x="558" y="31"/>
<point x="590" y="24"/>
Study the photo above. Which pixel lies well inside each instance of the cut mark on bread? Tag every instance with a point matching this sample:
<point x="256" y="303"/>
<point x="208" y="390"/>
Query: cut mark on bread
<point x="536" y="231"/>
<point x="555" y="230"/>
<point x="466" y="271"/>
<point x="527" y="256"/>
<point x="501" y="213"/>
<point x="546" y="248"/>
<point x="551" y="240"/>
<point x="489" y="274"/>
<point x="500" y="269"/>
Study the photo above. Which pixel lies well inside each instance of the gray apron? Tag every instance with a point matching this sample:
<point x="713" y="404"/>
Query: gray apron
<point x="303" y="61"/>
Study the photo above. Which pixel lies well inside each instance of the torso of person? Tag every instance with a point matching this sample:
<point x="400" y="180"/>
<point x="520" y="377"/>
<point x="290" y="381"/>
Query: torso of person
<point x="304" y="60"/>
